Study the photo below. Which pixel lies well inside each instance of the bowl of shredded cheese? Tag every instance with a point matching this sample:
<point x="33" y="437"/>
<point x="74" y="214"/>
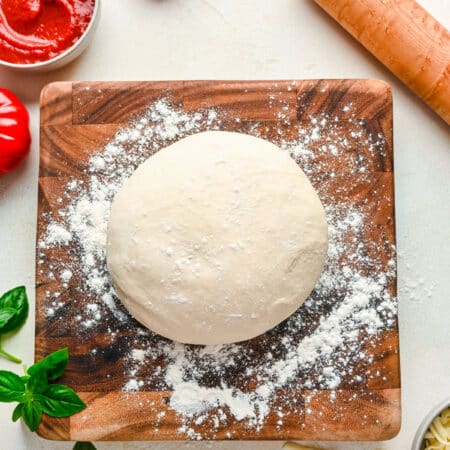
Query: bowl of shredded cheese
<point x="434" y="432"/>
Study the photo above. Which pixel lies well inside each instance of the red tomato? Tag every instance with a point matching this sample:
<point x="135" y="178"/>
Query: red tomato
<point x="15" y="138"/>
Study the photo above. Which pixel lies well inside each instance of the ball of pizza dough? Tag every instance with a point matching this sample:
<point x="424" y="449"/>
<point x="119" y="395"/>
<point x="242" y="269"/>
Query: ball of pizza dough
<point x="216" y="239"/>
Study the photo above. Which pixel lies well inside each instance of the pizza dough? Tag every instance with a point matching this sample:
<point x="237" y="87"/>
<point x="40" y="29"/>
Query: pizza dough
<point x="216" y="239"/>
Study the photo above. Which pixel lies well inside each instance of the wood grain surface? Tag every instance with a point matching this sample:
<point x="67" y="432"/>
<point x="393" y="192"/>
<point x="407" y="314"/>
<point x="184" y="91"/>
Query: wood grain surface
<point x="79" y="118"/>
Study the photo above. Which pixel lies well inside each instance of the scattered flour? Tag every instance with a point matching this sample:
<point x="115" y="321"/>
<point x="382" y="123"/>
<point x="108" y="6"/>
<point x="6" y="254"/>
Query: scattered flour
<point x="57" y="235"/>
<point x="319" y="347"/>
<point x="66" y="275"/>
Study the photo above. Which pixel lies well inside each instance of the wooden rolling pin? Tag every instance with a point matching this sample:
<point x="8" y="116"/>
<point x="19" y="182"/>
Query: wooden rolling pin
<point x="406" y="39"/>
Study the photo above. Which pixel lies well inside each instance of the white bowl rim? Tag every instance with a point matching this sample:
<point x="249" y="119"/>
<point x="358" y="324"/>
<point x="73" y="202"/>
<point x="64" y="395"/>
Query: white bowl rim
<point x="62" y="55"/>
<point x="426" y="422"/>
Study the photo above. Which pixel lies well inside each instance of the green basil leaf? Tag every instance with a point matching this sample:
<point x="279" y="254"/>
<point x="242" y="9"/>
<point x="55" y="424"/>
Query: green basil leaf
<point x="60" y="401"/>
<point x="38" y="382"/>
<point x="6" y="314"/>
<point x="12" y="387"/>
<point x="54" y="364"/>
<point x="16" y="299"/>
<point x="32" y="414"/>
<point x="84" y="446"/>
<point x="17" y="413"/>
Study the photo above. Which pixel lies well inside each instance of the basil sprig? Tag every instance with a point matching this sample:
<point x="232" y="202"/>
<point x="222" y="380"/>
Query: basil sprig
<point x="34" y="394"/>
<point x="13" y="314"/>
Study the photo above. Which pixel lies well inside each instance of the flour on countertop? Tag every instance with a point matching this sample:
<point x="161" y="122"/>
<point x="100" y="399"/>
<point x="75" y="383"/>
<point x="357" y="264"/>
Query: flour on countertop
<point x="319" y="347"/>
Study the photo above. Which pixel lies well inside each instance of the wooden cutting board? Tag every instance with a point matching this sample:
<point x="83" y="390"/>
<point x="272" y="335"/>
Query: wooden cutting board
<point x="79" y="118"/>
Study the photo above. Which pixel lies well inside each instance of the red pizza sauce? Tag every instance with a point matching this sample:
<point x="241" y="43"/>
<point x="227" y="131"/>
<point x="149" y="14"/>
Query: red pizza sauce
<point x="38" y="30"/>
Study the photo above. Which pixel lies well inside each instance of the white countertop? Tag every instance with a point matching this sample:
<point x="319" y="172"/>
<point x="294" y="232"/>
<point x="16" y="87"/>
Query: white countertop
<point x="253" y="39"/>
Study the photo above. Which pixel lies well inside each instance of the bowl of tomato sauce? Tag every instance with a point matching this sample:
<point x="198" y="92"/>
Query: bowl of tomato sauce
<point x="39" y="35"/>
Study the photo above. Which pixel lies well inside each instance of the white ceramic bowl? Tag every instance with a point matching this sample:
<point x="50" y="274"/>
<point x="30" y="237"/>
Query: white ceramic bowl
<point x="418" y="443"/>
<point x="67" y="55"/>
